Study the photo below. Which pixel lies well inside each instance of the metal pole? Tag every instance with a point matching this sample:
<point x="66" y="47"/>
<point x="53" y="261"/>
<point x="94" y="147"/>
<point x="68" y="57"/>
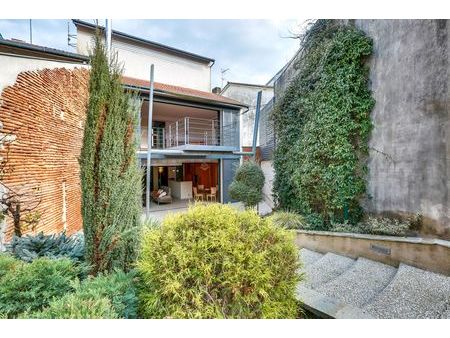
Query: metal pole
<point x="185" y="130"/>
<point x="256" y="126"/>
<point x="149" y="141"/>
<point x="108" y="38"/>
<point x="31" y="33"/>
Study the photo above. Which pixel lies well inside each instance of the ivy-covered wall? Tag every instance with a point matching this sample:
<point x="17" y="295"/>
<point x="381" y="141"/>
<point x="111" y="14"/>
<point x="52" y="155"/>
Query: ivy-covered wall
<point x="322" y="125"/>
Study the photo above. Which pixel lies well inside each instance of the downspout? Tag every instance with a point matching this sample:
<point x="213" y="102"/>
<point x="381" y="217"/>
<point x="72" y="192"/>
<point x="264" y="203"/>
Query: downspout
<point x="255" y="130"/>
<point x="149" y="141"/>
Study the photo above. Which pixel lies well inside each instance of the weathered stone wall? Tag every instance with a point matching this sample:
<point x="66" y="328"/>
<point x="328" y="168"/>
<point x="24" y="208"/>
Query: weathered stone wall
<point x="45" y="110"/>
<point x="409" y="165"/>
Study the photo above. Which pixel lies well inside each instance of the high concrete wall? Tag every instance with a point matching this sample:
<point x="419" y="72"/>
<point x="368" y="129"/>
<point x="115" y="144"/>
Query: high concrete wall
<point x="409" y="164"/>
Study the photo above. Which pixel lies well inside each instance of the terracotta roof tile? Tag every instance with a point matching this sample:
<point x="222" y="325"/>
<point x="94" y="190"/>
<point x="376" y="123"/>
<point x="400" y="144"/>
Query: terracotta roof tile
<point x="181" y="91"/>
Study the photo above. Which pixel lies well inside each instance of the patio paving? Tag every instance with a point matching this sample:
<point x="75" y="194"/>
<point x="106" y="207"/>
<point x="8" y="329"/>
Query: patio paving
<point x="159" y="212"/>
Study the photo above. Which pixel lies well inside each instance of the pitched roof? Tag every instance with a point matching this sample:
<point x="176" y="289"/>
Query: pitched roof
<point x="25" y="48"/>
<point x="153" y="44"/>
<point x="181" y="92"/>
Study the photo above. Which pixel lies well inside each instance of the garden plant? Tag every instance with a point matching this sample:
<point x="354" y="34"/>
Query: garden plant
<point x="110" y="177"/>
<point x="216" y="262"/>
<point x="322" y="124"/>
<point x="247" y="184"/>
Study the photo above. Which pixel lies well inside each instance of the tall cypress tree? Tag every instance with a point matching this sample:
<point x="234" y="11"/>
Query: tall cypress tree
<point x="110" y="178"/>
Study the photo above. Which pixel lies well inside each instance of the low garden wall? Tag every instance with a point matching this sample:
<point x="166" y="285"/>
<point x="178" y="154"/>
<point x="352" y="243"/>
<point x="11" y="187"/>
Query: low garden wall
<point x="424" y="253"/>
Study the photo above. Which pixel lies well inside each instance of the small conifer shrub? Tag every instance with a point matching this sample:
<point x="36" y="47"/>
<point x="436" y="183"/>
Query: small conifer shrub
<point x="32" y="286"/>
<point x="216" y="262"/>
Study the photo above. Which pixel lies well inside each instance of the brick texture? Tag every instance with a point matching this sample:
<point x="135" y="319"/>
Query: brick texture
<point x="46" y="111"/>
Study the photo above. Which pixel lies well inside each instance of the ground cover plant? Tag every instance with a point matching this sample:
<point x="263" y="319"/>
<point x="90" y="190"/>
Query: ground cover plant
<point x="105" y="296"/>
<point x="32" y="286"/>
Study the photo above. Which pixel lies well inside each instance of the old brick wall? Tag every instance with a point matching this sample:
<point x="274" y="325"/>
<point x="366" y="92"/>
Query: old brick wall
<point x="46" y="111"/>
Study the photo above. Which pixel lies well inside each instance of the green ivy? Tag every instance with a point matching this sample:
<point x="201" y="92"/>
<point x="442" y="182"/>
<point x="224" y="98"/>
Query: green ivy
<point x="322" y="124"/>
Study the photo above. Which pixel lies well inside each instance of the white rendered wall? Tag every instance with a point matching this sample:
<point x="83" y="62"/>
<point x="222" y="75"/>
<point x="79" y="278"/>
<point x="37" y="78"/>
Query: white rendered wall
<point x="11" y="66"/>
<point x="169" y="69"/>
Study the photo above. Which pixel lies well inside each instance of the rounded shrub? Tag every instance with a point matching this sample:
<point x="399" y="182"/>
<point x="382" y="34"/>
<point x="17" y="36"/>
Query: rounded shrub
<point x="247" y="184"/>
<point x="216" y="262"/>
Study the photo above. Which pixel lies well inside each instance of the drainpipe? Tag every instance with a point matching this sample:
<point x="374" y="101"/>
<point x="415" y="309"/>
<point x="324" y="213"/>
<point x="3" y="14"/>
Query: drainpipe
<point x="108" y="38"/>
<point x="255" y="130"/>
<point x="149" y="141"/>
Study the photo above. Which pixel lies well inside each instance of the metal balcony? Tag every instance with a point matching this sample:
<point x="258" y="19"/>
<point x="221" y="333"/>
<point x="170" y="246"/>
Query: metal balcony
<point x="193" y="134"/>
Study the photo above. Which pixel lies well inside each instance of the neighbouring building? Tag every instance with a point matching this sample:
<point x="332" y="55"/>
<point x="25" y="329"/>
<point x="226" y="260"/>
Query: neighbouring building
<point x="409" y="160"/>
<point x="247" y="94"/>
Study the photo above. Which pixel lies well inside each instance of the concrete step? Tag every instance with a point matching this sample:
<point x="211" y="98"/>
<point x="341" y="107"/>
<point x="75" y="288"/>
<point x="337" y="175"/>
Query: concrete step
<point x="360" y="283"/>
<point x="308" y="257"/>
<point x="413" y="293"/>
<point x="326" y="268"/>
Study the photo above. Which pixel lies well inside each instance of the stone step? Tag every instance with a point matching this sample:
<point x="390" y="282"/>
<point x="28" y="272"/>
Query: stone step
<point x="326" y="268"/>
<point x="307" y="257"/>
<point x="413" y="293"/>
<point x="360" y="283"/>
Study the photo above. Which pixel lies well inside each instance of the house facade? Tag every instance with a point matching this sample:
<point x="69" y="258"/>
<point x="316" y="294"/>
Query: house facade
<point x="195" y="133"/>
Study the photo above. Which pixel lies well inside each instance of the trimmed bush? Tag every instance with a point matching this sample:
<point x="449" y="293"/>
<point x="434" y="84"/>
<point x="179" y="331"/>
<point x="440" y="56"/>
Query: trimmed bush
<point x="289" y="220"/>
<point x="28" y="248"/>
<point x="31" y="287"/>
<point x="216" y="262"/>
<point x="72" y="306"/>
<point x="247" y="184"/>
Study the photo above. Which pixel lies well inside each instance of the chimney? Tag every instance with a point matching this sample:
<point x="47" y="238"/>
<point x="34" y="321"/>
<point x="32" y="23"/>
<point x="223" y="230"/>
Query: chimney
<point x="217" y="90"/>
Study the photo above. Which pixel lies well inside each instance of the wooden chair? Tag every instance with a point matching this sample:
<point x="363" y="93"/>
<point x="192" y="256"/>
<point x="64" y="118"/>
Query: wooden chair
<point x="201" y="187"/>
<point x="212" y="195"/>
<point x="197" y="196"/>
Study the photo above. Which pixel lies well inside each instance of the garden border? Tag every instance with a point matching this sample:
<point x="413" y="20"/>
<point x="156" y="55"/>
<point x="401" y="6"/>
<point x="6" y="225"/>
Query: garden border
<point x="424" y="253"/>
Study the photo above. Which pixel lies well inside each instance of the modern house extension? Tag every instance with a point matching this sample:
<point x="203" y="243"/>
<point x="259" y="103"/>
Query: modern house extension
<point x="195" y="133"/>
<point x="195" y="140"/>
